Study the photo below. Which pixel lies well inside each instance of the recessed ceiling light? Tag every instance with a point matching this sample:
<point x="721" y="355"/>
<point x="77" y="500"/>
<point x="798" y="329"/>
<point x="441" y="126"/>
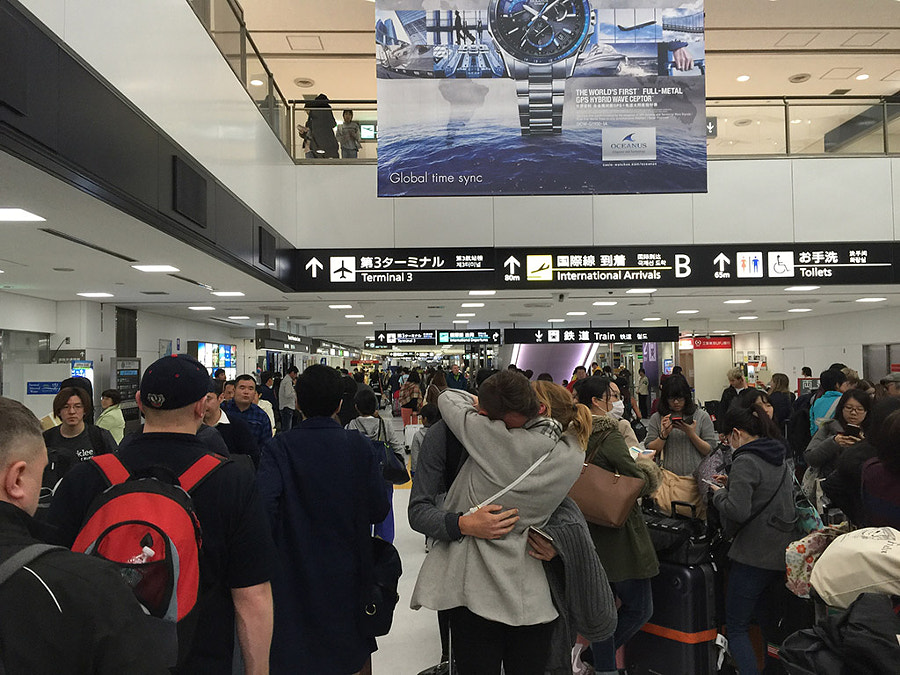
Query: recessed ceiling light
<point x="652" y="318"/>
<point x="96" y="295"/>
<point x="460" y="321"/>
<point x="802" y="288"/>
<point x="862" y="77"/>
<point x="472" y="304"/>
<point x="576" y="313"/>
<point x="156" y="268"/>
<point x="737" y="302"/>
<point x="796" y="121"/>
<point x="202" y="308"/>
<point x="2" y="272"/>
<point x="11" y="215"/>
<point x="228" y="294"/>
<point x="556" y="320"/>
<point x="482" y="292"/>
<point x="364" y="323"/>
<point x="871" y="299"/>
<point x="749" y="317"/>
<point x="605" y="303"/>
<point x="354" y="316"/>
<point x="340" y="306"/>
<point x="799" y="310"/>
<point x="720" y="332"/>
<point x="641" y="291"/>
<point x="370" y="337"/>
<point x="688" y="311"/>
<point x="256" y="83"/>
<point x="238" y="318"/>
<point x="465" y="314"/>
<point x="743" y="78"/>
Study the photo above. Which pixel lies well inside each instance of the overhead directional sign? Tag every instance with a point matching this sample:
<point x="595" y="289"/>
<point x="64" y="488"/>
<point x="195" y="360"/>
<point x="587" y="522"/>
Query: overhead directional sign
<point x="468" y="337"/>
<point x="589" y="335"/>
<point x="391" y="338"/>
<point x="589" y="267"/>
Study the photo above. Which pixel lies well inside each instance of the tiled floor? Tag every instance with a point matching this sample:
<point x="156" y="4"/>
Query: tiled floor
<point x="413" y="643"/>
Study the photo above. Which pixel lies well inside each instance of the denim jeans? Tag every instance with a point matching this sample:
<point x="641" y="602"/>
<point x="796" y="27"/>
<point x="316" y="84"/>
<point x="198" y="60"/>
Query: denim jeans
<point x="747" y="586"/>
<point x="287" y="419"/>
<point x="636" y="597"/>
<point x="349" y="153"/>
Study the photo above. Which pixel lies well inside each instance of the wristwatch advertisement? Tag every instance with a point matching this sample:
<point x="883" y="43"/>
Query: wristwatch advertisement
<point x="539" y="41"/>
<point x="540" y="97"/>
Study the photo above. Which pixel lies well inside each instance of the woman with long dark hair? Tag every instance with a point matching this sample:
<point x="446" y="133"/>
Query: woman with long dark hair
<point x="680" y="431"/>
<point x="757" y="510"/>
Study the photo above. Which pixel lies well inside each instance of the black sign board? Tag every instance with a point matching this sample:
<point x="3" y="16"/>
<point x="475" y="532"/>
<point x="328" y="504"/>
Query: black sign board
<point x="385" y="339"/>
<point x="277" y="340"/>
<point x="538" y="336"/>
<point x="589" y="267"/>
<point x="468" y="337"/>
<point x="393" y="269"/>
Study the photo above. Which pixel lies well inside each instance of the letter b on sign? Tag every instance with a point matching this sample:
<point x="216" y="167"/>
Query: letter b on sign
<point x="682" y="266"/>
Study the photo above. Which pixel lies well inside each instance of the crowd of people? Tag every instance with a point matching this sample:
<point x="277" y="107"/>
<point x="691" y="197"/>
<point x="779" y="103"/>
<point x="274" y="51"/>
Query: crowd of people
<point x="296" y="490"/>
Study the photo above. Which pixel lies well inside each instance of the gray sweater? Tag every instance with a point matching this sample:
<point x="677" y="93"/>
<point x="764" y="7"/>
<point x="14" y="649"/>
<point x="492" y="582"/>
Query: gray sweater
<point x="497" y="579"/>
<point x="759" y="542"/>
<point x="578" y="584"/>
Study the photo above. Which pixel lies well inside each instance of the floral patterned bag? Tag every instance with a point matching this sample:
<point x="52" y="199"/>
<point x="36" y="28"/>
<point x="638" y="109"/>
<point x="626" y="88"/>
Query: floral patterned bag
<point x="802" y="555"/>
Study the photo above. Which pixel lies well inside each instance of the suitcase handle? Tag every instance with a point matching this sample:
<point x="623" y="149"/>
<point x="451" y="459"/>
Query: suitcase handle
<point x="675" y="503"/>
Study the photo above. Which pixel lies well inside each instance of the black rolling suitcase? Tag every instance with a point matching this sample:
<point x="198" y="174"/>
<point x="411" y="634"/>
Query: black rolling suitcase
<point x="680" y="638"/>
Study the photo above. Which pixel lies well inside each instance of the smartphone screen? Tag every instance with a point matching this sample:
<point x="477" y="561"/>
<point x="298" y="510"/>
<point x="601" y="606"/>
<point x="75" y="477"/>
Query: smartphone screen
<point x="853" y="430"/>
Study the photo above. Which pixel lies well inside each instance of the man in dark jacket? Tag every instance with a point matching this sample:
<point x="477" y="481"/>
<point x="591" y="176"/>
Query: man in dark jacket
<point x="61" y="612"/>
<point x="235" y="432"/>
<point x="322" y="489"/>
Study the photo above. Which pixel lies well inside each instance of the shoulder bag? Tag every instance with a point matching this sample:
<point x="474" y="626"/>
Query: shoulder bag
<point x="393" y="462"/>
<point x="681" y="489"/>
<point x="605" y="498"/>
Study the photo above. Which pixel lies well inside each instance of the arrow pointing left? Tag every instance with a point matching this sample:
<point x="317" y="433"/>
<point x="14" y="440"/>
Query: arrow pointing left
<point x="314" y="265"/>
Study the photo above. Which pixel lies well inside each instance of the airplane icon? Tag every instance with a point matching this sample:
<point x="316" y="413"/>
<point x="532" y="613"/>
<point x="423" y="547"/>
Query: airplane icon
<point x="343" y="269"/>
<point x="543" y="267"/>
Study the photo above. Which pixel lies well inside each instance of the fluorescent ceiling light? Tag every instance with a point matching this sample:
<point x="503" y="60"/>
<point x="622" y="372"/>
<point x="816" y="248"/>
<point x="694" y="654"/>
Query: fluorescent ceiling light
<point x="605" y="303"/>
<point x="748" y="318"/>
<point x="364" y="323"/>
<point x="354" y="316"/>
<point x="11" y="215"/>
<point x="556" y="320"/>
<point x="156" y="268"/>
<point x="743" y="78"/>
<point x="463" y="314"/>
<point x="862" y="77"/>
<point x="798" y="310"/>
<point x="652" y="318"/>
<point x="737" y="302"/>
<point x="238" y="318"/>
<point x="721" y="332"/>
<point x="796" y="121"/>
<point x="576" y="313"/>
<point x="256" y="83"/>
<point x="640" y="291"/>
<point x="2" y="272"/>
<point x="472" y="304"/>
<point x="688" y="311"/>
<point x="871" y="299"/>
<point x="262" y="324"/>
<point x="802" y="288"/>
<point x="96" y="295"/>
<point x="482" y="292"/>
<point x="228" y="294"/>
<point x="202" y="308"/>
<point x="340" y="306"/>
<point x="460" y="321"/>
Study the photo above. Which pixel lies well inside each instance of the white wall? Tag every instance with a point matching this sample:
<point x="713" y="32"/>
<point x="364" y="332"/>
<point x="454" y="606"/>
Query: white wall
<point x="160" y="57"/>
<point x="19" y="312"/>
<point x="151" y="328"/>
<point x="710" y="368"/>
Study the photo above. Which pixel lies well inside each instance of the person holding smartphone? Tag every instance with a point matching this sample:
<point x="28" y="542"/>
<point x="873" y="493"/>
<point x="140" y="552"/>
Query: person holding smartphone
<point x="848" y="427"/>
<point x="680" y="429"/>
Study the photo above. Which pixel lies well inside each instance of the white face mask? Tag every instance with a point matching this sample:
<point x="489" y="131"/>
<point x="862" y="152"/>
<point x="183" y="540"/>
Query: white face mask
<point x="617" y="410"/>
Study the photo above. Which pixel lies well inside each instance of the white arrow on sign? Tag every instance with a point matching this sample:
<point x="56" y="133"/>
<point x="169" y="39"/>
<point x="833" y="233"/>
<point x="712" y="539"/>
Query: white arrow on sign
<point x="710" y="127"/>
<point x="512" y="264"/>
<point x="539" y="336"/>
<point x="495" y="336"/>
<point x="721" y="260"/>
<point x="315" y="266"/>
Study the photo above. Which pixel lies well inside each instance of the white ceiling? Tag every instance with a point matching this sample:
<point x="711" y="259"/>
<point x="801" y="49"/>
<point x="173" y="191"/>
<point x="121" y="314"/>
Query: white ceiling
<point x="736" y="34"/>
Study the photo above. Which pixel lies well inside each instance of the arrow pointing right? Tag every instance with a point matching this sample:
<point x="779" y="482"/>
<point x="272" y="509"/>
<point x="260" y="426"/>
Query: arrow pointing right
<point x="314" y="265"/>
<point x="512" y="264"/>
<point x="495" y="336"/>
<point x="721" y="260"/>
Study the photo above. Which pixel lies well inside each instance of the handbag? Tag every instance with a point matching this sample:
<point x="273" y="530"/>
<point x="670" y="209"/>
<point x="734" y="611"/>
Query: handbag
<point x="640" y="430"/>
<point x="393" y="466"/>
<point x="802" y="555"/>
<point x="679" y="539"/>
<point x="380" y="590"/>
<point x="605" y="498"/>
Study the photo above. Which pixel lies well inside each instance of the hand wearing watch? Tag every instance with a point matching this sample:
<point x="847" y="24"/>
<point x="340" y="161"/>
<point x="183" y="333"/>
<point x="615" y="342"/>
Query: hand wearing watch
<point x="539" y="41"/>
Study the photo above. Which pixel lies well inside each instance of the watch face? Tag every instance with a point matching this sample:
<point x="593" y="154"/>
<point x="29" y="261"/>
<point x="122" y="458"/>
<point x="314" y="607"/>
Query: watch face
<point x="540" y="31"/>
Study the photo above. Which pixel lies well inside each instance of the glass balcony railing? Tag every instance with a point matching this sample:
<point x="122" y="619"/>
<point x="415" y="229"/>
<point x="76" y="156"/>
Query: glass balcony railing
<point x="751" y="127"/>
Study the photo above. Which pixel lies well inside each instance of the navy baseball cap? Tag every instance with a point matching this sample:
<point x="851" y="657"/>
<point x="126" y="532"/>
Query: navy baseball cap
<point x="174" y="382"/>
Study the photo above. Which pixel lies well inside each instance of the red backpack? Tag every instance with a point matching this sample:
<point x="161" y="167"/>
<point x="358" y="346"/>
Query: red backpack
<point x="146" y="525"/>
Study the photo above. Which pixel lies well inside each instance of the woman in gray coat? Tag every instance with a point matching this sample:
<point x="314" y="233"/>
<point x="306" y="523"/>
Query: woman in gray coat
<point x="757" y="509"/>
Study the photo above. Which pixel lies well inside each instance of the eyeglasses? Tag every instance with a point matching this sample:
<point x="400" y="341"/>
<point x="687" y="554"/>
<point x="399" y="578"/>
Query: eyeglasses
<point x="852" y="409"/>
<point x="676" y="398"/>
